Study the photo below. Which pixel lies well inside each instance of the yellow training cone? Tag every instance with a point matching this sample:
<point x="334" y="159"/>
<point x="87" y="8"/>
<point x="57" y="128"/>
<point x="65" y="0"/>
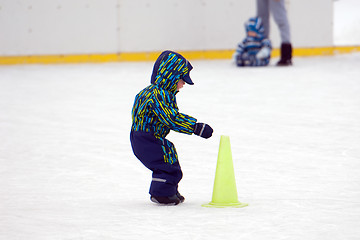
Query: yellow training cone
<point x="224" y="192"/>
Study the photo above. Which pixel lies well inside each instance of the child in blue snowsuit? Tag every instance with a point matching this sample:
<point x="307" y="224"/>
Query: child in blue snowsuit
<point x="255" y="49"/>
<point x="154" y="114"/>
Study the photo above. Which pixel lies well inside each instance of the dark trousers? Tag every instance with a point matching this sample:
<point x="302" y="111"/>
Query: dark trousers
<point x="152" y="152"/>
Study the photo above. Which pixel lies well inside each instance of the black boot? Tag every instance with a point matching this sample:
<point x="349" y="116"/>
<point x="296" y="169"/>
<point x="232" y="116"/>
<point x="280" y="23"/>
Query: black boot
<point x="173" y="200"/>
<point x="286" y="55"/>
<point x="181" y="197"/>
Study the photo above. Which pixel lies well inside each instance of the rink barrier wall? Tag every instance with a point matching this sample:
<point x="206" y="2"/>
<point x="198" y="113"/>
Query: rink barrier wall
<point x="151" y="56"/>
<point x="88" y="27"/>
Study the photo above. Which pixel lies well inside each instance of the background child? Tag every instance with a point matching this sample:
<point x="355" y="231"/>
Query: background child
<point x="255" y="49"/>
<point x="154" y="114"/>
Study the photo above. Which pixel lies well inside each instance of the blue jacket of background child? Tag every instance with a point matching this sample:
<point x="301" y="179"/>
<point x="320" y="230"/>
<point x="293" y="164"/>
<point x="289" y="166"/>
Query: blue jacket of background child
<point x="255" y="49"/>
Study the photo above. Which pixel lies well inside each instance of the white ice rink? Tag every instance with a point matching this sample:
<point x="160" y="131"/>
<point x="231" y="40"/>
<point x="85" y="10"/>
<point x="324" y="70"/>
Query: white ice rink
<point x="67" y="171"/>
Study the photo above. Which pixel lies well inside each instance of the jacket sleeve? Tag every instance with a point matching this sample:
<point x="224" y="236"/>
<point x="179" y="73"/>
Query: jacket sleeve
<point x="240" y="47"/>
<point x="266" y="43"/>
<point x="170" y="116"/>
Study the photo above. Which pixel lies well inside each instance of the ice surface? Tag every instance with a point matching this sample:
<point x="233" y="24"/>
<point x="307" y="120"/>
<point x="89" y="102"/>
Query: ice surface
<point x="68" y="171"/>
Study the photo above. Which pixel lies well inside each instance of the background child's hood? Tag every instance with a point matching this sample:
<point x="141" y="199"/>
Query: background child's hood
<point x="255" y="25"/>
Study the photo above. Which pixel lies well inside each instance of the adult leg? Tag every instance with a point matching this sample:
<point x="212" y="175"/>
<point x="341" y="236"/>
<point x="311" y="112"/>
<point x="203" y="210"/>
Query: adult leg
<point x="278" y="10"/>
<point x="263" y="11"/>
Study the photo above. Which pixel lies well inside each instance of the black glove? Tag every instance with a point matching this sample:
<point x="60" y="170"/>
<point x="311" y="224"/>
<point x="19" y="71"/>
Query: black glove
<point x="203" y="130"/>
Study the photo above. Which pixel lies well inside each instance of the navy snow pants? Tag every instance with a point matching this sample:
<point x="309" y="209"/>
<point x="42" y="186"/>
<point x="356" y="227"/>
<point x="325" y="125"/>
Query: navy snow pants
<point x="150" y="151"/>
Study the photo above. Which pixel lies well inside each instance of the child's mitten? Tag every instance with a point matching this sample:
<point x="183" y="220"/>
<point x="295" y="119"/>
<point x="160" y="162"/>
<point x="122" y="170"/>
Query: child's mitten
<point x="203" y="130"/>
<point x="263" y="53"/>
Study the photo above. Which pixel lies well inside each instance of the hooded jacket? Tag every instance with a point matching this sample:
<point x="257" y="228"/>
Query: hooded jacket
<point x="252" y="44"/>
<point x="155" y="109"/>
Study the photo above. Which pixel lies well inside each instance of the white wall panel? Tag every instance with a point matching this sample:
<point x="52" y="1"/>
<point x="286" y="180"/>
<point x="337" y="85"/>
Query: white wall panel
<point x="183" y="25"/>
<point x="311" y="22"/>
<point x="41" y="27"/>
<point x="208" y="25"/>
<point x="47" y="27"/>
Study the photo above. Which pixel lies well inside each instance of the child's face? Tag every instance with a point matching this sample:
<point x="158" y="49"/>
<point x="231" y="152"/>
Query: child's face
<point x="180" y="84"/>
<point x="252" y="34"/>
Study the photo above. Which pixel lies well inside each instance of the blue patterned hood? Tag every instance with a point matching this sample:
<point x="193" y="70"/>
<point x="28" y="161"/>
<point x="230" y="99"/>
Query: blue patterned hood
<point x="168" y="69"/>
<point x="254" y="24"/>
